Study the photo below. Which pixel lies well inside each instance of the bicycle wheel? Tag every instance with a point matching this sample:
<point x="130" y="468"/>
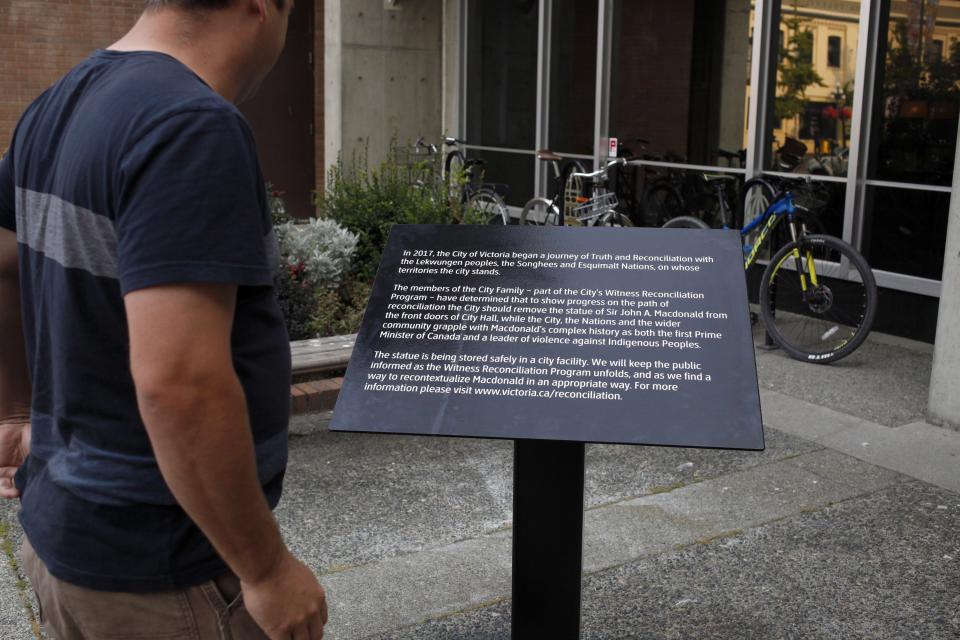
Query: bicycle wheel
<point x="685" y="222"/>
<point x="539" y="211"/>
<point x="453" y="173"/>
<point x="613" y="219"/>
<point x="755" y="197"/>
<point x="661" y="203"/>
<point x="815" y="315"/>
<point x="486" y="207"/>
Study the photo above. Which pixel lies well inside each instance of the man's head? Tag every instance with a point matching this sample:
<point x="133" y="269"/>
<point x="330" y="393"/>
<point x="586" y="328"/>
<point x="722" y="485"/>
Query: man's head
<point x="196" y="5"/>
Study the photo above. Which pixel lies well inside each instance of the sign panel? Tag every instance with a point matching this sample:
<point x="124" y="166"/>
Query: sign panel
<point x="616" y="335"/>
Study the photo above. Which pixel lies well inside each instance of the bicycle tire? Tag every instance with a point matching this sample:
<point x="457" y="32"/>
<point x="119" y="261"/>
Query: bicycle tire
<point x="613" y="219"/>
<point x="487" y="207"/>
<point x="755" y="198"/>
<point x="453" y="163"/>
<point x="837" y="314"/>
<point x="544" y="210"/>
<point x="661" y="203"/>
<point x="685" y="222"/>
<point x="453" y="174"/>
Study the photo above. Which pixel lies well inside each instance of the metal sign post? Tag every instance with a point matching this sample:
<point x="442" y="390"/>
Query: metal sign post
<point x="547" y="539"/>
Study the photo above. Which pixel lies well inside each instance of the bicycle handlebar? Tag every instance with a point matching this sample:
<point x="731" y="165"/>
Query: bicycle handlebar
<point x="600" y="172"/>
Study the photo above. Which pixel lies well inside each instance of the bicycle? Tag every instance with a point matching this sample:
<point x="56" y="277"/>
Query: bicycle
<point x="462" y="181"/>
<point x="649" y="195"/>
<point x="597" y="210"/>
<point x="540" y="210"/>
<point x="809" y="309"/>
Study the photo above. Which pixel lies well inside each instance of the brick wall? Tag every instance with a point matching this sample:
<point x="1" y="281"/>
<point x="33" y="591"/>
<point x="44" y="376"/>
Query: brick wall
<point x="40" y="40"/>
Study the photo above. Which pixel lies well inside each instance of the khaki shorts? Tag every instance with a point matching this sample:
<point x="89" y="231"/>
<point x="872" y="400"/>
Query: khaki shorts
<point x="213" y="610"/>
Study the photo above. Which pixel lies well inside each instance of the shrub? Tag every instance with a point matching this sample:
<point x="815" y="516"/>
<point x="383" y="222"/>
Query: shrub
<point x="370" y="201"/>
<point x="310" y="287"/>
<point x="340" y="311"/>
<point x="298" y="302"/>
<point x="321" y="249"/>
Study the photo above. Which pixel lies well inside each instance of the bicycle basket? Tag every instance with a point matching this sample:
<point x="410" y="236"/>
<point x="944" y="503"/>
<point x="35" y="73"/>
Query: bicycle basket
<point x="572" y="194"/>
<point x="595" y="206"/>
<point x="813" y="197"/>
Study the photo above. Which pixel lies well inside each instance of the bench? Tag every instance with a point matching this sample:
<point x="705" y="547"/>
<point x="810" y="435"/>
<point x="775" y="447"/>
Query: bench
<point x="318" y="355"/>
<point x="321" y="354"/>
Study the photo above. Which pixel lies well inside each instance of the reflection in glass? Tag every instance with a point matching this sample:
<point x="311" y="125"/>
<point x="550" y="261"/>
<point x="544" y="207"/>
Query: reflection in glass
<point x="918" y="92"/>
<point x="573" y="74"/>
<point x="502" y="73"/>
<point x="679" y="78"/>
<point x="906" y="230"/>
<point x="815" y="71"/>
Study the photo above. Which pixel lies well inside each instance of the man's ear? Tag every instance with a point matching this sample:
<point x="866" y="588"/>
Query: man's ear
<point x="259" y="7"/>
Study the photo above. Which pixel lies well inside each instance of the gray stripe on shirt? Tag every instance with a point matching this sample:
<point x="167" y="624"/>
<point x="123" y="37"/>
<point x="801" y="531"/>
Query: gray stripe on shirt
<point x="272" y="245"/>
<point x="75" y="237"/>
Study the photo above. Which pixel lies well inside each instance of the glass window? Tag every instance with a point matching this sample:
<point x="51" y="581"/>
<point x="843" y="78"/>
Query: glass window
<point x="502" y="73"/>
<point x="813" y="96"/>
<point x="935" y="54"/>
<point x="679" y="77"/>
<point x="834" y="44"/>
<point x="917" y="94"/>
<point x="573" y="76"/>
<point x="511" y="174"/>
<point x="906" y="230"/>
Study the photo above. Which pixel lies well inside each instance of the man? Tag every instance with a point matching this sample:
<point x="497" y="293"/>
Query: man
<point x="135" y="246"/>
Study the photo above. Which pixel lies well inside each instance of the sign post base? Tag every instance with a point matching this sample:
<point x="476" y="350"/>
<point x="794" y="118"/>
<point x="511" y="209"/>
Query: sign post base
<point x="548" y="482"/>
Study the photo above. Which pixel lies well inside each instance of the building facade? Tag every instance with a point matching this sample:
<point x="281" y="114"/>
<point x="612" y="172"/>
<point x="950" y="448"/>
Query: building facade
<point x="861" y="96"/>
<point x="40" y="40"/>
<point x="864" y="94"/>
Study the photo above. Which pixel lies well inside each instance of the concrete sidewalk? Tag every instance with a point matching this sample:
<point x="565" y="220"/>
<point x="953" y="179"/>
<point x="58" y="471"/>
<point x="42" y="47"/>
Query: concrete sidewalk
<point x="847" y="526"/>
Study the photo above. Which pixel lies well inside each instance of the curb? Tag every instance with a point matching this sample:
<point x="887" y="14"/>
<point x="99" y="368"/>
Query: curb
<point x="316" y="395"/>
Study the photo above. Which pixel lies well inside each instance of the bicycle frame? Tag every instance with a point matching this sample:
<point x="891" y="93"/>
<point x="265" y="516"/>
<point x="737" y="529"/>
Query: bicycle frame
<point x="780" y="207"/>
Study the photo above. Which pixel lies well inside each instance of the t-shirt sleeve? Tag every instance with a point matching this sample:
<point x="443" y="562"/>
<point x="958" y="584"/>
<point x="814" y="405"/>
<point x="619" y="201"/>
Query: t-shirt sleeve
<point x="191" y="205"/>
<point x="8" y="207"/>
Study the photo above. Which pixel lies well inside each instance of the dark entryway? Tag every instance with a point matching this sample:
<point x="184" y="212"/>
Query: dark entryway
<point x="282" y="115"/>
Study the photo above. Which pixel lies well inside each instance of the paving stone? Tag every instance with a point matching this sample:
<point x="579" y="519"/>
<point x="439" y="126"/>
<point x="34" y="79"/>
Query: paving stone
<point x="884" y="566"/>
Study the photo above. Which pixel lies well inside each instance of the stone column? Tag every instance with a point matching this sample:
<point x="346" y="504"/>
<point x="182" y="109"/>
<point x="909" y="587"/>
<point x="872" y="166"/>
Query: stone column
<point x="944" y="404"/>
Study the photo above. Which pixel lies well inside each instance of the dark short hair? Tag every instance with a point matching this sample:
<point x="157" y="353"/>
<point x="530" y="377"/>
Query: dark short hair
<point x="195" y="5"/>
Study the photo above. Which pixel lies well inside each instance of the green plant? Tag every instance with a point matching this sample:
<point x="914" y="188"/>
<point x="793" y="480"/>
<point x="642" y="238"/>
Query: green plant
<point x="313" y="296"/>
<point x="339" y="311"/>
<point x="369" y="201"/>
<point x="321" y="248"/>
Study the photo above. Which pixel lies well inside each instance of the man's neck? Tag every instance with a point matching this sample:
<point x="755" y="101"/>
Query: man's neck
<point x="194" y="42"/>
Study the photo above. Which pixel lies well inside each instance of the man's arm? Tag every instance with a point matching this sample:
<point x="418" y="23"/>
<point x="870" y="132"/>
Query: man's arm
<point x="195" y="413"/>
<point x="14" y="380"/>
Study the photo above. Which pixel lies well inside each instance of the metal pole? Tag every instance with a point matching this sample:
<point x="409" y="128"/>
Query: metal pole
<point x="547" y="539"/>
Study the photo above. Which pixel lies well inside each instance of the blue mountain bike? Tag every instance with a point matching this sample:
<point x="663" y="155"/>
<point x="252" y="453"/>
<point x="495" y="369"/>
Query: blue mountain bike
<point x="818" y="296"/>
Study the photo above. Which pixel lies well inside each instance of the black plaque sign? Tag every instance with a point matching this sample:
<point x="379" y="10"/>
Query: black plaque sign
<point x="615" y="335"/>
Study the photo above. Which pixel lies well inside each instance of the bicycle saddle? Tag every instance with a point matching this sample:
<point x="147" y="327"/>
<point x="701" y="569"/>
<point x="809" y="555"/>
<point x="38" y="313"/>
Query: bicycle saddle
<point x="714" y="178"/>
<point x="546" y="154"/>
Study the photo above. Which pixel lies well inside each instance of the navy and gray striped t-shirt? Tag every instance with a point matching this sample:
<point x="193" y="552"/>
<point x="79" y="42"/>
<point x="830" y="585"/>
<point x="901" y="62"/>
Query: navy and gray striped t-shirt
<point x="131" y="172"/>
